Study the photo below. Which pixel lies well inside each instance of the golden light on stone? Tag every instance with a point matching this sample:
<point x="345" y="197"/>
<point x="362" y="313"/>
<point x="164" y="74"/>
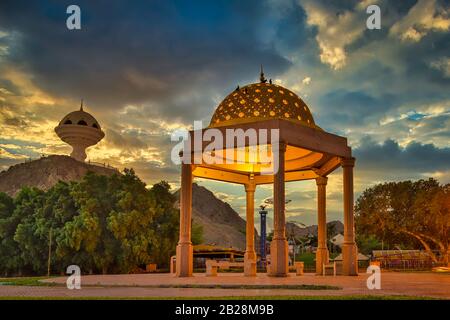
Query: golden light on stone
<point x="303" y="152"/>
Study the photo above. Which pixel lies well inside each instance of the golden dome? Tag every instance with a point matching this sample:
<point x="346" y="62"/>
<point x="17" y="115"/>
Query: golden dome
<point x="261" y="101"/>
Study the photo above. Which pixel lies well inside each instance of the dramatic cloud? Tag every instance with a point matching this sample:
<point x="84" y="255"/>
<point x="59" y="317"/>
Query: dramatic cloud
<point x="413" y="159"/>
<point x="423" y="17"/>
<point x="336" y="29"/>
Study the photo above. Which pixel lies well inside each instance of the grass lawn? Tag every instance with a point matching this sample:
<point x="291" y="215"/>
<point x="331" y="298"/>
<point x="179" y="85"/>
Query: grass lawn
<point x="26" y="281"/>
<point x="34" y="281"/>
<point x="308" y="258"/>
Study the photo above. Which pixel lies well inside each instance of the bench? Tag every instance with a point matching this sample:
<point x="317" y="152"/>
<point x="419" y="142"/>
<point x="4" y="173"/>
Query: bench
<point x="329" y="266"/>
<point x="212" y="266"/>
<point x="299" y="266"/>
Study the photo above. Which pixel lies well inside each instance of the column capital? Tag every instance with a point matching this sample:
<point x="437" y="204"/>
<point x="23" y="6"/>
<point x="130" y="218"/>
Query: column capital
<point x="347" y="162"/>
<point x="321" y="181"/>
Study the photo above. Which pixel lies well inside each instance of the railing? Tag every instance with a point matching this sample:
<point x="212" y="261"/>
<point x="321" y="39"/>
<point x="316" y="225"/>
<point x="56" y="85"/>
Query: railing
<point x="98" y="164"/>
<point x="404" y="259"/>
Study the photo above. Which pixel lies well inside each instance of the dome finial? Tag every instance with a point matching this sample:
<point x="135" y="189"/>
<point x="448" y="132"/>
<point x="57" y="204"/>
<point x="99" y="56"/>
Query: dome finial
<point x="81" y="105"/>
<point x="261" y="75"/>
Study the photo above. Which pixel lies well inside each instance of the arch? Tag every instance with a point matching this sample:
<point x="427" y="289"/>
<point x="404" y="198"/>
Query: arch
<point x="82" y="123"/>
<point x="68" y="121"/>
<point x="95" y="126"/>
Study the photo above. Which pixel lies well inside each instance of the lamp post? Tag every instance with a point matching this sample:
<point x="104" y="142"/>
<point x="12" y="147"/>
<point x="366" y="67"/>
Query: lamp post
<point x="263" y="214"/>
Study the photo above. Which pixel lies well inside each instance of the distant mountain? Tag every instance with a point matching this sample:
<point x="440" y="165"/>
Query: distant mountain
<point x="222" y="226"/>
<point x="44" y="173"/>
<point x="297" y="231"/>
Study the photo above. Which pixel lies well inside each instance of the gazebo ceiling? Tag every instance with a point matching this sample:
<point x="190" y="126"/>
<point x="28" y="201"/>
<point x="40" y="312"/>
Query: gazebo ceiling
<point x="251" y="160"/>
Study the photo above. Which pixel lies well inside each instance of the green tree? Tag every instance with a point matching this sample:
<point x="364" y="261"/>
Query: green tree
<point x="27" y="203"/>
<point x="9" y="251"/>
<point x="96" y="197"/>
<point x="132" y="222"/>
<point x="407" y="214"/>
<point x="366" y="244"/>
<point x="103" y="224"/>
<point x="165" y="224"/>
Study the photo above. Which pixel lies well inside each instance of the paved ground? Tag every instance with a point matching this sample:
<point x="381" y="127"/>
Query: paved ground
<point x="410" y="284"/>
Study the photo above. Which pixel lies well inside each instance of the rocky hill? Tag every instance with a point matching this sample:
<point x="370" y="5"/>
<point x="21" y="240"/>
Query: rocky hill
<point x="46" y="172"/>
<point x="291" y="228"/>
<point x="222" y="226"/>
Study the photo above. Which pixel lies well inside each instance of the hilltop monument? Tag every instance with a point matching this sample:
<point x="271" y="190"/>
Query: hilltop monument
<point x="80" y="130"/>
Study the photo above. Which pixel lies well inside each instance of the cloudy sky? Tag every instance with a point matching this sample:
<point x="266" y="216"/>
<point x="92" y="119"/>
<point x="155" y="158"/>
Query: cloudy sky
<point x="147" y="68"/>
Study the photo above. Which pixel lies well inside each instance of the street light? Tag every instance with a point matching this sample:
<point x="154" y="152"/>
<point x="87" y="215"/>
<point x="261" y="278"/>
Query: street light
<point x="263" y="214"/>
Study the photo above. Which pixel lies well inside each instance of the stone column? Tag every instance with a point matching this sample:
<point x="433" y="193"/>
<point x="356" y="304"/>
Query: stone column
<point x="279" y="246"/>
<point x="250" y="254"/>
<point x="185" y="252"/>
<point x="322" y="256"/>
<point x="349" y="249"/>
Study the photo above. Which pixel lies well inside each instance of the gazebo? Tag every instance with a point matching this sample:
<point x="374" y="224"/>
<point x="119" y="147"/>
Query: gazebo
<point x="303" y="151"/>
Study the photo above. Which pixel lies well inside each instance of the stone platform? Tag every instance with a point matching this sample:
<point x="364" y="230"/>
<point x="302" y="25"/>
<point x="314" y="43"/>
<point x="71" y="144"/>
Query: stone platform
<point x="146" y="285"/>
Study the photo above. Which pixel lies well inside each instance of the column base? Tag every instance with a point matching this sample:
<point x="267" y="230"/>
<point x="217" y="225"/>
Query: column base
<point x="349" y="259"/>
<point x="185" y="260"/>
<point x="279" y="258"/>
<point x="250" y="264"/>
<point x="322" y="257"/>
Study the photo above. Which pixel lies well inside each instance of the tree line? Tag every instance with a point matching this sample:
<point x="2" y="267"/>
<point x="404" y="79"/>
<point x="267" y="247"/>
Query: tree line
<point x="104" y="224"/>
<point x="406" y="215"/>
